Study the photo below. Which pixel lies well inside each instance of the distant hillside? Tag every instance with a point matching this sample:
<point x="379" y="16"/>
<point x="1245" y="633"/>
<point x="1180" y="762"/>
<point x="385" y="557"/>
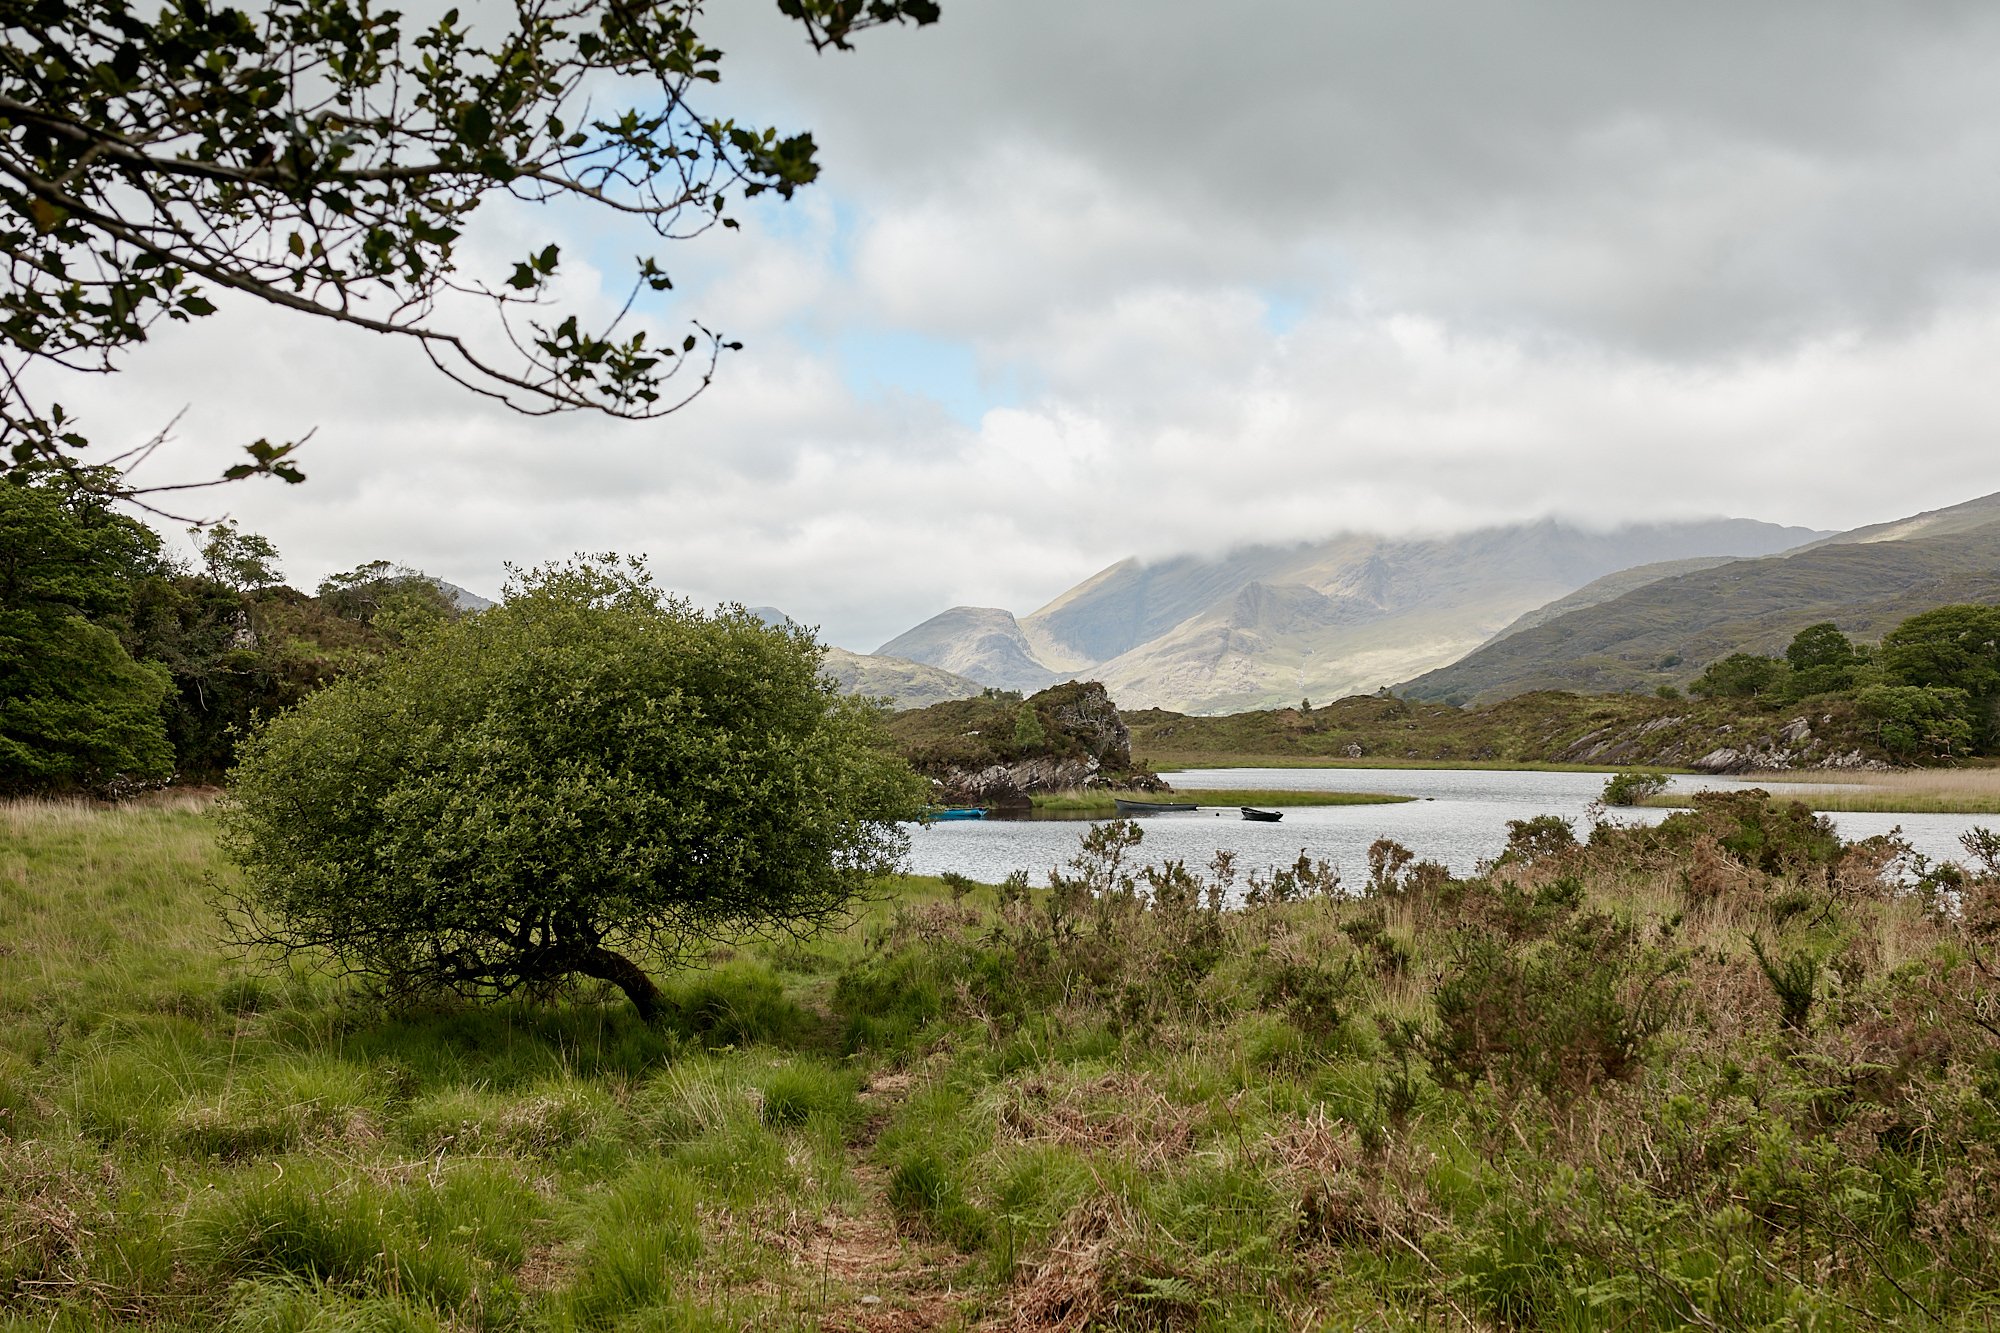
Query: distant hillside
<point x="1613" y="585"/>
<point x="981" y="643"/>
<point x="461" y="598"/>
<point x="1957" y="519"/>
<point x="1274" y="624"/>
<point x="1664" y="632"/>
<point x="903" y="684"/>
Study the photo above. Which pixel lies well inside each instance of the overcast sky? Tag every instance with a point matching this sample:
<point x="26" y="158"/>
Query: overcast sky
<point x="1087" y="280"/>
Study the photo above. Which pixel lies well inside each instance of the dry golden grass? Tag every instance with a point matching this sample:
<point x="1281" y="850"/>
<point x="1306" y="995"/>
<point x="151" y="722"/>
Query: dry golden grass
<point x="1939" y="791"/>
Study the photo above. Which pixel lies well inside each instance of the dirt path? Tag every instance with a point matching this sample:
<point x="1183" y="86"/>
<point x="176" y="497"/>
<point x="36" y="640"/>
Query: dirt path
<point x="876" y="1277"/>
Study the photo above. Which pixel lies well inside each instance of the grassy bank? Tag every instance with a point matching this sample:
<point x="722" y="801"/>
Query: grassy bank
<point x="1714" y="1075"/>
<point x="1972" y="791"/>
<point x="1106" y="802"/>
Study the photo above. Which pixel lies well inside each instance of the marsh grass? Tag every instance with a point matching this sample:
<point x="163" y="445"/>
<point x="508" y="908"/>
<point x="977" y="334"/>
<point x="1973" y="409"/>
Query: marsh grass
<point x="1941" y="791"/>
<point x="1563" y="1094"/>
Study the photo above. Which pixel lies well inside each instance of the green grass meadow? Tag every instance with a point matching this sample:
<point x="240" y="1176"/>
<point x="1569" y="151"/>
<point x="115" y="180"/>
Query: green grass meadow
<point x="1712" y="1076"/>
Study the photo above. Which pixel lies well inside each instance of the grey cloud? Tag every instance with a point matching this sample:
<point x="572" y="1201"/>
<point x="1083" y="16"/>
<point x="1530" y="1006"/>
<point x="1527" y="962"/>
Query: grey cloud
<point x="1684" y="178"/>
<point x="1605" y="261"/>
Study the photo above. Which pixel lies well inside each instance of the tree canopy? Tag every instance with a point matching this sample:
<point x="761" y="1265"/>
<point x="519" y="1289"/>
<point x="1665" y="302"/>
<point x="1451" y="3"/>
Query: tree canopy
<point x="1952" y="647"/>
<point x="1738" y="676"/>
<point x="75" y="709"/>
<point x="584" y="778"/>
<point x="325" y="157"/>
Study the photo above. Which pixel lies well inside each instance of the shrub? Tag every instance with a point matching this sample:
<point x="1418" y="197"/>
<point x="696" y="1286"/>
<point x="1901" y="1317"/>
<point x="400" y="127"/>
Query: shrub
<point x="1634" y="786"/>
<point x="1554" y="1016"/>
<point x="587" y="772"/>
<point x="1774" y="836"/>
<point x="1793" y="978"/>
<point x="1531" y="840"/>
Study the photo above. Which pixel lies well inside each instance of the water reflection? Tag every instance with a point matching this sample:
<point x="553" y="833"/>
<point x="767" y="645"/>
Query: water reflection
<point x="1459" y="817"/>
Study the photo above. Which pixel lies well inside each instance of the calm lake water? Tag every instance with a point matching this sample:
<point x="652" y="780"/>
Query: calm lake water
<point x="1460" y="819"/>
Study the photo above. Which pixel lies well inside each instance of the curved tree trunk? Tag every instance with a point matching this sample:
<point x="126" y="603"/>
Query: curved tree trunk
<point x="626" y="975"/>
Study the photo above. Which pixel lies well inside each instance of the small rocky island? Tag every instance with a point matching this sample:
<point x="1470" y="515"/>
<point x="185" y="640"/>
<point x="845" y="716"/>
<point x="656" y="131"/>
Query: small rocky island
<point x="1002" y="748"/>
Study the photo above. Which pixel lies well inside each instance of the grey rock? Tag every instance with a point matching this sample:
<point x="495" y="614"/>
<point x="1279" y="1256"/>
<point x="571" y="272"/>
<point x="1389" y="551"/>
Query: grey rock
<point x="1723" y="760"/>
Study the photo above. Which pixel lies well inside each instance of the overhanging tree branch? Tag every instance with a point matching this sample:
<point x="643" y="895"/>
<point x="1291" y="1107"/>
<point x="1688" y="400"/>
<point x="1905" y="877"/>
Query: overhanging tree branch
<point x="324" y="157"/>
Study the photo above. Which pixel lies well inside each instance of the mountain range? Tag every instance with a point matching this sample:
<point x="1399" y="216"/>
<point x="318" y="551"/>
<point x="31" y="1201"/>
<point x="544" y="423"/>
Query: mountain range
<point x="1660" y="626"/>
<point x="1267" y="625"/>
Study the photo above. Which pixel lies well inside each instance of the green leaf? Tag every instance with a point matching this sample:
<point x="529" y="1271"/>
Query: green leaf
<point x="477" y="127"/>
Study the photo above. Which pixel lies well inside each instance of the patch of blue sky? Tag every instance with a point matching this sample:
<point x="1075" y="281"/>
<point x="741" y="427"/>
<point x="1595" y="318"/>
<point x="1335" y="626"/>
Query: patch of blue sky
<point x="874" y="363"/>
<point x="878" y="363"/>
<point x="1283" y="311"/>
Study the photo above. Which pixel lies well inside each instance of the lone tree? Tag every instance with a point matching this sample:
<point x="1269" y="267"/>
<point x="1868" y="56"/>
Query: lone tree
<point x="586" y="780"/>
<point x="326" y="156"/>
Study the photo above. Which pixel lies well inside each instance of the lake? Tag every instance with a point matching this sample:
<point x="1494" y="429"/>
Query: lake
<point x="1459" y="818"/>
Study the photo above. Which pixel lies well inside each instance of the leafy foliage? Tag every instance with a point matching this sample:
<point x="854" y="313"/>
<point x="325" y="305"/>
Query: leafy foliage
<point x="1919" y="721"/>
<point x="1633" y="786"/>
<point x="75" y="709"/>
<point x="326" y="157"/>
<point x="237" y="559"/>
<point x="586" y="771"/>
<point x="1739" y="676"/>
<point x="1820" y="646"/>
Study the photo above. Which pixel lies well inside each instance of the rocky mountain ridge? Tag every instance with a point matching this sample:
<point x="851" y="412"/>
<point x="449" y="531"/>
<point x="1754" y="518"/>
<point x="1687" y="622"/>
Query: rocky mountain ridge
<point x="1270" y="624"/>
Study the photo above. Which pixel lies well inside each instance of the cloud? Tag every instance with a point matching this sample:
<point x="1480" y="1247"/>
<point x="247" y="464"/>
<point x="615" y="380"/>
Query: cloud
<point x="1084" y="281"/>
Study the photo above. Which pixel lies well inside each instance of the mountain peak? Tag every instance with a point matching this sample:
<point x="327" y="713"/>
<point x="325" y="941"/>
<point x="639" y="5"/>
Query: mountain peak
<point x="1269" y="624"/>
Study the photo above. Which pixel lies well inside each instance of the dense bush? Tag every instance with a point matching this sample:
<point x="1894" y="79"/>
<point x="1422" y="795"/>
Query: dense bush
<point x="586" y="773"/>
<point x="1634" y="786"/>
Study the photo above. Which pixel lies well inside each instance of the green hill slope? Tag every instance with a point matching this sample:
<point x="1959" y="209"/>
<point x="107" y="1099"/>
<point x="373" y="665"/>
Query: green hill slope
<point x="1664" y="632"/>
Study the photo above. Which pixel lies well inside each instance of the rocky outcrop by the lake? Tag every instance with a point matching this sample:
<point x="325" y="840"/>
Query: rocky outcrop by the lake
<point x="1748" y="747"/>
<point x="1003" y="783"/>
<point x="1001" y="748"/>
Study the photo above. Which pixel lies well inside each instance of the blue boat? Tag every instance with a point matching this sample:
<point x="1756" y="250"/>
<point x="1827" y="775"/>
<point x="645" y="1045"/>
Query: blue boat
<point x="959" y="812"/>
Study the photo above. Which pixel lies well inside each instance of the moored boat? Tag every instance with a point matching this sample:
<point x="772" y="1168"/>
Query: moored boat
<point x="1251" y="812"/>
<point x="958" y="812"/>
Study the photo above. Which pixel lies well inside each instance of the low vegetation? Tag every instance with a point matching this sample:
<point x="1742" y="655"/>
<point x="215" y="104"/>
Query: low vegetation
<point x="1960" y="791"/>
<point x="1726" y="1072"/>
<point x="1592" y="731"/>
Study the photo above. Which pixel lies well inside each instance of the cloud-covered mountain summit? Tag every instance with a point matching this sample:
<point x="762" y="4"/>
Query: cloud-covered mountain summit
<point x="1273" y="624"/>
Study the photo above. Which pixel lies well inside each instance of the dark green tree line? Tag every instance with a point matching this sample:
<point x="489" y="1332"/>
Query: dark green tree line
<point x="75" y="708"/>
<point x="1932" y="687"/>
